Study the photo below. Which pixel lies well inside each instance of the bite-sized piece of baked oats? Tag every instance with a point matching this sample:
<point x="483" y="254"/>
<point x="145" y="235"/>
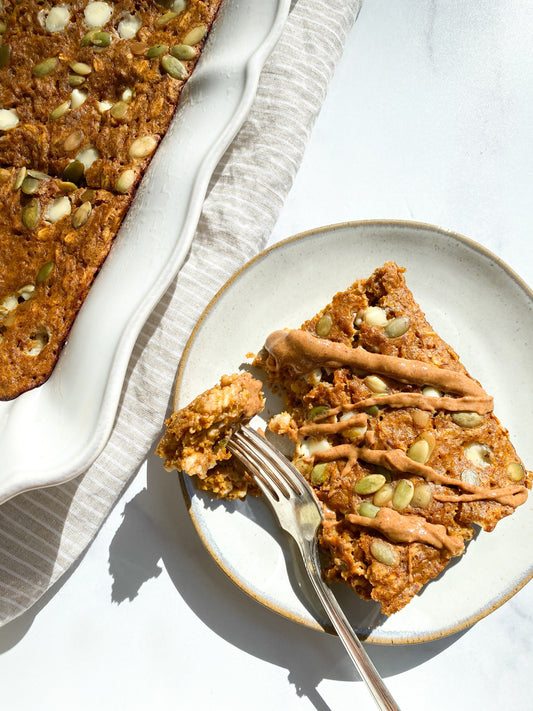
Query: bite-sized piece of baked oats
<point x="196" y="436"/>
<point x="399" y="442"/>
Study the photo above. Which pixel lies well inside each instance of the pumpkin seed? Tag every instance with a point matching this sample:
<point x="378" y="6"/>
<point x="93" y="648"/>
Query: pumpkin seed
<point x="369" y="484"/>
<point x="74" y="171"/>
<point x="383" y="495"/>
<point x="157" y="50"/>
<point x="60" y="110"/>
<point x="19" y="177"/>
<point x="81" y="215"/>
<point x="30" y="185"/>
<point x="183" y="51"/>
<point x="75" y="80"/>
<point x="119" y="109"/>
<point x="397" y="327"/>
<point x="384" y="553"/>
<point x="30" y="213"/>
<point x="367" y="509"/>
<point x="515" y="471"/>
<point x="102" y="39"/>
<point x="319" y="473"/>
<point x="376" y="384"/>
<point x="73" y="141"/>
<point x="419" y="451"/>
<point x="80" y="68"/>
<point x="467" y="419"/>
<point x="3" y="27"/>
<point x="44" y="272"/>
<point x="38" y="174"/>
<point x="403" y="494"/>
<point x="422" y="496"/>
<point x="173" y="67"/>
<point x="195" y="36"/>
<point x="142" y="147"/>
<point x="45" y="67"/>
<point x="323" y="325"/>
<point x="87" y="38"/>
<point x="314" y="412"/>
<point x="66" y="187"/>
<point x="88" y="195"/>
<point x="125" y="181"/>
<point x="373" y="410"/>
<point x="165" y="18"/>
<point x="5" y="54"/>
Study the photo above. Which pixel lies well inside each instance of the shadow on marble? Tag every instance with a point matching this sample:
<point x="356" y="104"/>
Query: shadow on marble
<point x="156" y="530"/>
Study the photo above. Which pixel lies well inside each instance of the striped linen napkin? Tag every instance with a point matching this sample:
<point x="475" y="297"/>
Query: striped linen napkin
<point x="43" y="532"/>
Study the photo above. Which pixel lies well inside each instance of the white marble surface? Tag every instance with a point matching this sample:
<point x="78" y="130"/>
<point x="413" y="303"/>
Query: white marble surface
<point x="429" y="118"/>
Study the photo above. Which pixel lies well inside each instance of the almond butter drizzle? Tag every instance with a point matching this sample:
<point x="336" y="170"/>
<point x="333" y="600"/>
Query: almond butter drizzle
<point x="302" y="352"/>
<point x="409" y="529"/>
<point x="396" y="460"/>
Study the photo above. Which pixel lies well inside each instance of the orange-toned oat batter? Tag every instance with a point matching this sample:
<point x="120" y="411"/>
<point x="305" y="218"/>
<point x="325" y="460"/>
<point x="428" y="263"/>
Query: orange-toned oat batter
<point x="87" y="91"/>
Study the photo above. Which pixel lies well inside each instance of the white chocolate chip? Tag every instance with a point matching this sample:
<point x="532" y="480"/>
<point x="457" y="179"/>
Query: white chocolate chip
<point x="8" y="119"/>
<point x="104" y="106"/>
<point x="308" y="446"/>
<point x="354" y="434"/>
<point x="478" y="454"/>
<point x="375" y="316"/>
<point x="9" y="303"/>
<point x="128" y="26"/>
<point x="178" y="6"/>
<point x="58" y="208"/>
<point x="97" y="14"/>
<point x="77" y="97"/>
<point x="469" y="476"/>
<point x="429" y="391"/>
<point x="314" y="377"/>
<point x="38" y="341"/>
<point x="87" y="156"/>
<point x="57" y="19"/>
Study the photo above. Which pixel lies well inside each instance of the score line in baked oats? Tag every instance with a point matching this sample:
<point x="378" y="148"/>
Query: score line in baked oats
<point x="398" y="441"/>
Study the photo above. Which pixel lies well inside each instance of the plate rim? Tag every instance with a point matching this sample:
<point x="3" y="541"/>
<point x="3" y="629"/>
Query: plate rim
<point x="186" y="484"/>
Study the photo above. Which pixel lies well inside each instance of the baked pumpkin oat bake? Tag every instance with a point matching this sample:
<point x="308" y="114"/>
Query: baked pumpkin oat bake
<point x="87" y="91"/>
<point x="398" y="441"/>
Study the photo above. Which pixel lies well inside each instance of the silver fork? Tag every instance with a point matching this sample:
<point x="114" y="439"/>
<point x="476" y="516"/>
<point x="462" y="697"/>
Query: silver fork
<point x="299" y="514"/>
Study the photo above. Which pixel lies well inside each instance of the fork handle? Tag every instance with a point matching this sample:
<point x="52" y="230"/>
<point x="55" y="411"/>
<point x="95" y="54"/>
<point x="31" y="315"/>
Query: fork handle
<point x="348" y="637"/>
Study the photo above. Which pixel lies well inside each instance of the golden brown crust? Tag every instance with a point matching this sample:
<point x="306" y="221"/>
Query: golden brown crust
<point x="102" y="117"/>
<point x="458" y="488"/>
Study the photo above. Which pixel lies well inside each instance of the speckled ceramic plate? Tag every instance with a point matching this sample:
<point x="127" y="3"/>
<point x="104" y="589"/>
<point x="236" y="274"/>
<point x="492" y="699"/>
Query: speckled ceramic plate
<point x="67" y="421"/>
<point x="477" y="304"/>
